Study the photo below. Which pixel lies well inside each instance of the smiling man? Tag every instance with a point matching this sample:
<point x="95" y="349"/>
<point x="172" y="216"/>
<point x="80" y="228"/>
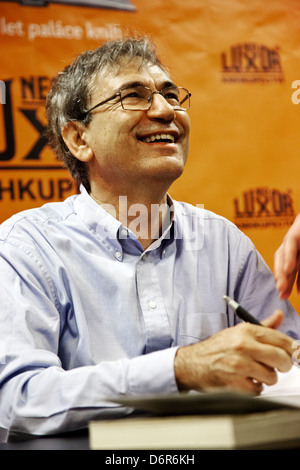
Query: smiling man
<point x="119" y="290"/>
<point x="137" y="140"/>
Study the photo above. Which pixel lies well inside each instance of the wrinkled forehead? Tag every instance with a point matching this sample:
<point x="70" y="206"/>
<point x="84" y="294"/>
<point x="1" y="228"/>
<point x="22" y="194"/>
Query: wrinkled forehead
<point x="127" y="69"/>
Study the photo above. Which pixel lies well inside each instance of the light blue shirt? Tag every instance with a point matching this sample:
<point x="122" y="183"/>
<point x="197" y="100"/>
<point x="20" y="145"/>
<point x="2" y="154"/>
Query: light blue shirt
<point x="86" y="315"/>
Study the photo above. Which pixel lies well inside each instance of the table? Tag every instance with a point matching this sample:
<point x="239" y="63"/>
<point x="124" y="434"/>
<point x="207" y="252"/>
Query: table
<point x="79" y="440"/>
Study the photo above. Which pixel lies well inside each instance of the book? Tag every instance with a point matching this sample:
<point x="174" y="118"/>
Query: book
<point x="266" y="430"/>
<point x="212" y="420"/>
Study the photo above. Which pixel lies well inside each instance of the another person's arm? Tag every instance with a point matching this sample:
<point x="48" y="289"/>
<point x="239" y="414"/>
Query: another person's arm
<point x="287" y="261"/>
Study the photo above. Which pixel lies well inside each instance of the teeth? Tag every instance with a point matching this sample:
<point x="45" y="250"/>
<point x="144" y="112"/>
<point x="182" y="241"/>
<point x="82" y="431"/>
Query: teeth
<point x="157" y="137"/>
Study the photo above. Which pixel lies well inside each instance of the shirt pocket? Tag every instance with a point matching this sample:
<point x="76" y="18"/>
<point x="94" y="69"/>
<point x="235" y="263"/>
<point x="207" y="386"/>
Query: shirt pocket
<point x="195" y="327"/>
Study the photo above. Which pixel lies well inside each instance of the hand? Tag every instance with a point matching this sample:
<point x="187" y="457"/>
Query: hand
<point x="242" y="357"/>
<point x="287" y="261"/>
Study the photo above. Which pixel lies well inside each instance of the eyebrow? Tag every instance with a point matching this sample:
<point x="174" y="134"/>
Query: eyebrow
<point x="133" y="84"/>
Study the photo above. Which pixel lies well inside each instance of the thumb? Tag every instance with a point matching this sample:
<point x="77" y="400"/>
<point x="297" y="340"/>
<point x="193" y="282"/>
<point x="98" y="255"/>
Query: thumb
<point x="275" y="320"/>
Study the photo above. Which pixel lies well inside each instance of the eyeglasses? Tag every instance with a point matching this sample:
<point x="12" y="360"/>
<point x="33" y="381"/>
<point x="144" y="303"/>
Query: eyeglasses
<point x="139" y="98"/>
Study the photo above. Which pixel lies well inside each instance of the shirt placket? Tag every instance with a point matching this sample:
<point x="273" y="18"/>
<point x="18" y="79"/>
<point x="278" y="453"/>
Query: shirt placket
<point x="158" y="333"/>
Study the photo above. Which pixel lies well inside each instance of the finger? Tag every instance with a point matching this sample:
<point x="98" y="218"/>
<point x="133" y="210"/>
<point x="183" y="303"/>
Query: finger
<point x="257" y="374"/>
<point x="291" y="246"/>
<point x="255" y="360"/>
<point x="248" y="385"/>
<point x="289" y="254"/>
<point x="284" y="280"/>
<point x="271" y="347"/>
<point x="273" y="358"/>
<point x="285" y="285"/>
<point x="287" y="260"/>
<point x="275" y="320"/>
<point x="236" y="380"/>
<point x="275" y="338"/>
<point x="264" y="375"/>
<point x="278" y="258"/>
<point x="279" y="262"/>
<point x="257" y="387"/>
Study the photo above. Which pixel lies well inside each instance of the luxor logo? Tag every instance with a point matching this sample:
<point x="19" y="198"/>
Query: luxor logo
<point x="251" y="63"/>
<point x="264" y="207"/>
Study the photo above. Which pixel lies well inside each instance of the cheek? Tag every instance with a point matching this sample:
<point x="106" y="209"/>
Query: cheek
<point x="185" y="123"/>
<point x="102" y="137"/>
<point x="108" y="132"/>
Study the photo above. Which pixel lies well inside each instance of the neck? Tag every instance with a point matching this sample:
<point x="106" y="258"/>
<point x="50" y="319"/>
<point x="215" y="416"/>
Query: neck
<point x="146" y="218"/>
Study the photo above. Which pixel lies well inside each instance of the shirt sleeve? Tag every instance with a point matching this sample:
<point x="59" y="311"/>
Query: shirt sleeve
<point x="37" y="396"/>
<point x="256" y="276"/>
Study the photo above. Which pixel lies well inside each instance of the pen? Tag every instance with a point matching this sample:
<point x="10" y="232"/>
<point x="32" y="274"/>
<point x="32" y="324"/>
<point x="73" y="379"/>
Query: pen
<point x="240" y="311"/>
<point x="247" y="317"/>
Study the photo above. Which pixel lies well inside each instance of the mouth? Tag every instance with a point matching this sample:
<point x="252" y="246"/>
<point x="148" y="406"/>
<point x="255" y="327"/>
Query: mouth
<point x="168" y="138"/>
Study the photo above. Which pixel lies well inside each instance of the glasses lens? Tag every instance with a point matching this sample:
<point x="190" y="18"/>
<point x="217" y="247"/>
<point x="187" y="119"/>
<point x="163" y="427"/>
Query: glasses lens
<point x="138" y="98"/>
<point x="179" y="98"/>
<point x="184" y="98"/>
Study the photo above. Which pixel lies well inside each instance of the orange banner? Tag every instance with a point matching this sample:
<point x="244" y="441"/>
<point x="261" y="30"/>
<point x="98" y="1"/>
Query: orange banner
<point x="241" y="62"/>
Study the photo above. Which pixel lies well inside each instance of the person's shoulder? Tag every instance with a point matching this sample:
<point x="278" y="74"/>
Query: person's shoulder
<point x="27" y="220"/>
<point x="215" y="226"/>
<point x="184" y="209"/>
<point x="202" y="226"/>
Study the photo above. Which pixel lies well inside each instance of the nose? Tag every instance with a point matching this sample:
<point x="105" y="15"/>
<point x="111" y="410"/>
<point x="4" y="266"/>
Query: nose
<point x="160" y="108"/>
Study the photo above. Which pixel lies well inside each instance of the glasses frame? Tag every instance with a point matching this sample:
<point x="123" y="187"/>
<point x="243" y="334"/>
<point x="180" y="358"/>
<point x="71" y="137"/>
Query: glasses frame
<point x="119" y="93"/>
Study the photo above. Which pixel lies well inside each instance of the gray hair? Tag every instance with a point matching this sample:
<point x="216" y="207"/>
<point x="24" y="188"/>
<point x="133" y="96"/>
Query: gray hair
<point x="70" y="95"/>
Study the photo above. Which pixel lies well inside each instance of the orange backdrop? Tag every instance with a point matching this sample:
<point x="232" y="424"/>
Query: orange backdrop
<point x="240" y="60"/>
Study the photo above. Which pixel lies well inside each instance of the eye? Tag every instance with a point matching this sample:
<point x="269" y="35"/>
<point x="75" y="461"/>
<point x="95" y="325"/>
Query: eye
<point x="133" y="93"/>
<point x="171" y="96"/>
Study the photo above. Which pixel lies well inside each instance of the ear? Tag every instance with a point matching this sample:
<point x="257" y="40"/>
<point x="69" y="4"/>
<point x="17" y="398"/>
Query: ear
<point x="73" y="134"/>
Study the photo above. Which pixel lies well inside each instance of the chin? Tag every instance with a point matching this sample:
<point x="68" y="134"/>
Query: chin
<point x="169" y="169"/>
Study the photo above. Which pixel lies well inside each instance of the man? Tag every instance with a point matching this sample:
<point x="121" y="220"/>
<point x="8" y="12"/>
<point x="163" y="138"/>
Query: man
<point x="287" y="261"/>
<point x="119" y="290"/>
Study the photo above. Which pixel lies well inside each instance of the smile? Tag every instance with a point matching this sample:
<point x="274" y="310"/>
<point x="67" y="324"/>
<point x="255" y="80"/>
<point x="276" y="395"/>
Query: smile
<point x="159" y="138"/>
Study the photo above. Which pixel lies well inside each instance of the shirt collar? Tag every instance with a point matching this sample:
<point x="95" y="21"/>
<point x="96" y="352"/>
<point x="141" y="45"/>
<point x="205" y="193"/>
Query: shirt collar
<point x="112" y="233"/>
<point x="100" y="222"/>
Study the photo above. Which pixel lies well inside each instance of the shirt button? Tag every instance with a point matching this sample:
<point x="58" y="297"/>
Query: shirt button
<point x="118" y="254"/>
<point x="152" y="304"/>
<point x="123" y="233"/>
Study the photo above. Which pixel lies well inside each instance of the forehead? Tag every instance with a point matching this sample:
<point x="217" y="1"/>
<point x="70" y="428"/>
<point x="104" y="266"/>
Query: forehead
<point x="148" y="74"/>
